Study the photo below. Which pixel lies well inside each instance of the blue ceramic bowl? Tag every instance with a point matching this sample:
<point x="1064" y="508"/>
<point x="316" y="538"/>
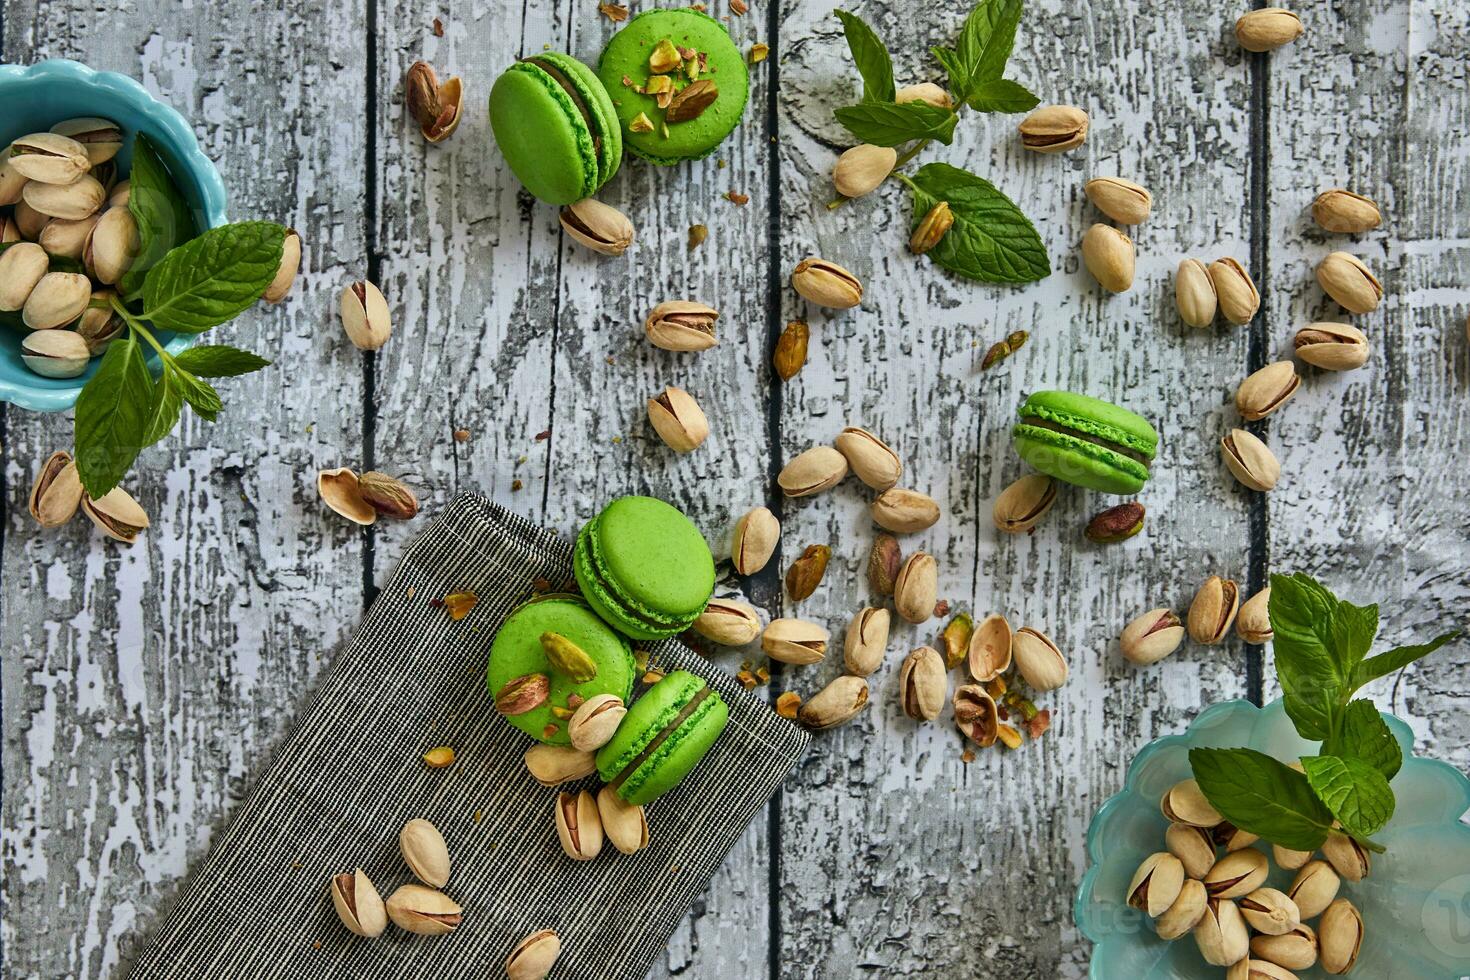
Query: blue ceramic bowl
<point x="35" y="99"/>
<point x="1415" y="904"/>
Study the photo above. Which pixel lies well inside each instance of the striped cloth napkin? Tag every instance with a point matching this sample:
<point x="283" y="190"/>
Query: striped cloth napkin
<point x="350" y="775"/>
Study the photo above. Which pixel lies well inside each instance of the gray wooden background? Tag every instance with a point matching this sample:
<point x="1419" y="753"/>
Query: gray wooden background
<point x="144" y="686"/>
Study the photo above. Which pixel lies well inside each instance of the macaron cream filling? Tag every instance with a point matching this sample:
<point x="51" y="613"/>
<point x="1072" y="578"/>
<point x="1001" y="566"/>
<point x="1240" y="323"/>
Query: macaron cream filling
<point x="663" y="736"/>
<point x="558" y="76"/>
<point x="1097" y="440"/>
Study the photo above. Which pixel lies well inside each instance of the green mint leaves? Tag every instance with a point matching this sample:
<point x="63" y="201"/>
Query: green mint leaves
<point x="991" y="240"/>
<point x="214" y="278"/>
<point x="1321" y="646"/>
<point x="161" y="213"/>
<point x="112" y="416"/>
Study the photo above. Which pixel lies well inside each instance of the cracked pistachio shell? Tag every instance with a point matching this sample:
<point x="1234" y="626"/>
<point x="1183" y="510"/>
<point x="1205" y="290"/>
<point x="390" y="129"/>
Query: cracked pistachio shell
<point x="1295" y="949"/>
<point x="285" y="275"/>
<point x="1266" y="390"/>
<point x="552" y="765"/>
<point x="819" y="468"/>
<point x="1053" y="128"/>
<point x="1122" y="200"/>
<point x="534" y="956"/>
<point x="358" y="904"/>
<point x="1156" y="883"/>
<point x="1267" y="29"/>
<point x="22" y="267"/>
<point x="729" y="622"/>
<point x="1254" y="969"/>
<point x="826" y="284"/>
<point x="917" y="587"/>
<point x="1249" y="460"/>
<point x="922" y="684"/>
<point x="1332" y="346"/>
<point x="116" y="515"/>
<point x="861" y="169"/>
<point x="1151" y="637"/>
<point x="1185" y="803"/>
<point x="1253" y="623"/>
<point x="55" y="353"/>
<point x="867" y="641"/>
<point x="1231" y="837"/>
<point x="1340" y="937"/>
<point x="1269" y="911"/>
<point x="69" y="202"/>
<point x="602" y="228"/>
<point x="975" y="714"/>
<point x="795" y="641"/>
<point x="1109" y="256"/>
<point x="425" y="852"/>
<point x="1221" y="934"/>
<point x="424" y="911"/>
<point x="1193" y="846"/>
<point x="681" y="325"/>
<point x="28" y="221"/>
<point x="1037" y="658"/>
<point x="1023" y="504"/>
<point x="49" y="158"/>
<point x="990" y="650"/>
<point x="1213" y="611"/>
<point x="1348" y="858"/>
<point x="871" y="459"/>
<point x="1339" y="209"/>
<point x="341" y="490"/>
<point x="101" y="139"/>
<point x="57" y="299"/>
<point x="67" y="239"/>
<point x="678" y="419"/>
<point x="904" y="511"/>
<point x="1348" y="281"/>
<point x="1314" y="888"/>
<point x="1289" y="860"/>
<point x="365" y="317"/>
<point x="836" y="704"/>
<point x="754" y="540"/>
<point x="624" y="824"/>
<point x="596" y="721"/>
<point x="113" y="246"/>
<point x="57" y="492"/>
<point x="1194" y="293"/>
<point x="1234" y="290"/>
<point x="578" y="825"/>
<point x="928" y="92"/>
<point x="1185" y="913"/>
<point x="12" y="181"/>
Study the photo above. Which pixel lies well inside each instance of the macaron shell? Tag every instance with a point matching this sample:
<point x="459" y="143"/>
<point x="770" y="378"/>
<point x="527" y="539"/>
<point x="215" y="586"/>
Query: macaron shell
<point x="654" y="711"/>
<point x="543" y="136"/>
<point x="599" y="595"/>
<point x="679" y="753"/>
<point x="609" y="132"/>
<point x="1078" y="462"/>
<point x="1095" y="417"/>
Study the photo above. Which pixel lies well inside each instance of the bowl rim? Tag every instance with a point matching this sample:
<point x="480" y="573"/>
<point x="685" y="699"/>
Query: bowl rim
<point x="180" y="134"/>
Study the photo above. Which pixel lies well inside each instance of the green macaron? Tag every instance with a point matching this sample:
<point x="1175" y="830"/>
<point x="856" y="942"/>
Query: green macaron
<point x="1085" y="441"/>
<point x="664" y="735"/>
<point x="556" y="127"/>
<point x="704" y="53"/>
<point x="518" y="653"/>
<point x="644" y="567"/>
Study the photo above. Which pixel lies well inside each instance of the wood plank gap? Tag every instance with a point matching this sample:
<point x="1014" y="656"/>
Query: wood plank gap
<point x="1260" y="257"/>
<point x="374" y="272"/>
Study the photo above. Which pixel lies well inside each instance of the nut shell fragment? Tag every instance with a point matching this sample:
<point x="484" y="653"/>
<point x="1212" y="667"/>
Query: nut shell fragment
<point x="990" y="648"/>
<point x="341" y="490"/>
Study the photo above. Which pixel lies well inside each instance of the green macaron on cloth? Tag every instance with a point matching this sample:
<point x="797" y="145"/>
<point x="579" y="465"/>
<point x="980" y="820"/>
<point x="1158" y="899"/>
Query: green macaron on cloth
<point x="350" y="774"/>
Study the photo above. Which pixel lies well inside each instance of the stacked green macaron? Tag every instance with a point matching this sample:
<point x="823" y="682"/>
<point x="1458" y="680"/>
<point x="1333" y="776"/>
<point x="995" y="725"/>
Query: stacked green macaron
<point x="665" y="734"/>
<point x="648" y="65"/>
<point x="519" y="663"/>
<point x="1085" y="441"/>
<point x="644" y="567"/>
<point x="556" y="127"/>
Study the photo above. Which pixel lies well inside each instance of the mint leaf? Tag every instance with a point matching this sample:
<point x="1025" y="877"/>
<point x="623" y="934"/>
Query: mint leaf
<point x="213" y="278"/>
<point x="1396" y="659"/>
<point x="985" y="43"/>
<point x="219" y="361"/>
<point x="1000" y="95"/>
<point x="200" y="395"/>
<point x="1262" y="796"/>
<point x="1364" y="735"/>
<point x="112" y="416"/>
<point x="991" y="240"/>
<point x="60" y="263"/>
<point x="871" y="57"/>
<point x="889" y="124"/>
<point x="1309" y="669"/>
<point x="166" y="407"/>
<point x="959" y="77"/>
<point x="160" y="211"/>
<point x="1357" y="794"/>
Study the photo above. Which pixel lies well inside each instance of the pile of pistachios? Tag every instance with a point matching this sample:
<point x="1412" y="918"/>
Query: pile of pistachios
<point x="1237" y="921"/>
<point x="421" y="909"/>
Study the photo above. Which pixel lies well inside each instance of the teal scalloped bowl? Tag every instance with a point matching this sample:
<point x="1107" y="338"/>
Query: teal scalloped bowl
<point x="39" y="96"/>
<point x="1415" y="904"/>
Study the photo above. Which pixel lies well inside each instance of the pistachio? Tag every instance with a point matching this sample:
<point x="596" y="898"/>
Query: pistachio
<point x="754" y="541"/>
<point x="924" y="92"/>
<point x="991" y="648"/>
<point x="12" y="181"/>
<point x="826" y="284"/>
<point x="1151" y="637"/>
<point x="607" y="231"/>
<point x="552" y="765"/>
<point x="595" y="721"/>
<point x="55" y="353"/>
<point x="790" y="353"/>
<point x="1314" y="888"/>
<point x="664" y="58"/>
<point x="1156" y="883"/>
<point x="954" y="640"/>
<point x="871" y="459"/>
<point x="122" y="192"/>
<point x="57" y="492"/>
<point x="425" y="852"/>
<point x="285" y="275"/>
<point x="435" y="106"/>
<point x="56" y="300"/>
<point x="1347" y="280"/>
<point x="578" y="825"/>
<point x="1269" y="911"/>
<point x="22" y="267"/>
<point x="424" y="911"/>
<point x="1194" y="293"/>
<point x="975" y="714"/>
<point x="1339" y="209"/>
<point x="1186" y="912"/>
<point x="1037" y="658"/>
<point x="932" y="228"/>
<point x="678" y="419"/>
<point x="1340" y="937"/>
<point x="1287" y="859"/>
<point x="1348" y="858"/>
<point x="836" y="704"/>
<point x="640" y="124"/>
<point x="866" y="643"/>
<point x="67" y="239"/>
<point x="341" y="490"/>
<point x="439" y="757"/>
<point x="904" y="511"/>
<point x="624" y="824"/>
<point x="1266" y="390"/>
<point x="1122" y="200"/>
<point x="691" y="101"/>
<point x="49" y="158"/>
<point x="387" y="495"/>
<point x="1253" y="624"/>
<point x="1267" y="29"/>
<point x="1108" y="255"/>
<point x="1295" y="949"/>
<point x="69" y="202"/>
<point x="1023" y="504"/>
<point x="9" y="230"/>
<point x="729" y="622"/>
<point x="806" y="572"/>
<point x="1185" y="803"/>
<point x="28" y="221"/>
<point x="861" y="169"/>
<point x="1231" y="837"/>
<point x="1331" y="346"/>
<point x="358" y="904"/>
<point x="116" y="515"/>
<point x="1249" y="460"/>
<point x="365" y="316"/>
<point x="101" y="139"/>
<point x="1213" y="610"/>
<point x="819" y="468"/>
<point x="681" y="325"/>
<point x="534" y="956"/>
<point x="567" y="658"/>
<point x="795" y="641"/>
<point x="1116" y="523"/>
<point x="1053" y="128"/>
<point x="1235" y="290"/>
<point x="922" y="684"/>
<point x="1221" y="934"/>
<point x="885" y="559"/>
<point x="917" y="587"/>
<point x="1253" y="969"/>
<point x="1193" y="846"/>
<point x="522" y="694"/>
